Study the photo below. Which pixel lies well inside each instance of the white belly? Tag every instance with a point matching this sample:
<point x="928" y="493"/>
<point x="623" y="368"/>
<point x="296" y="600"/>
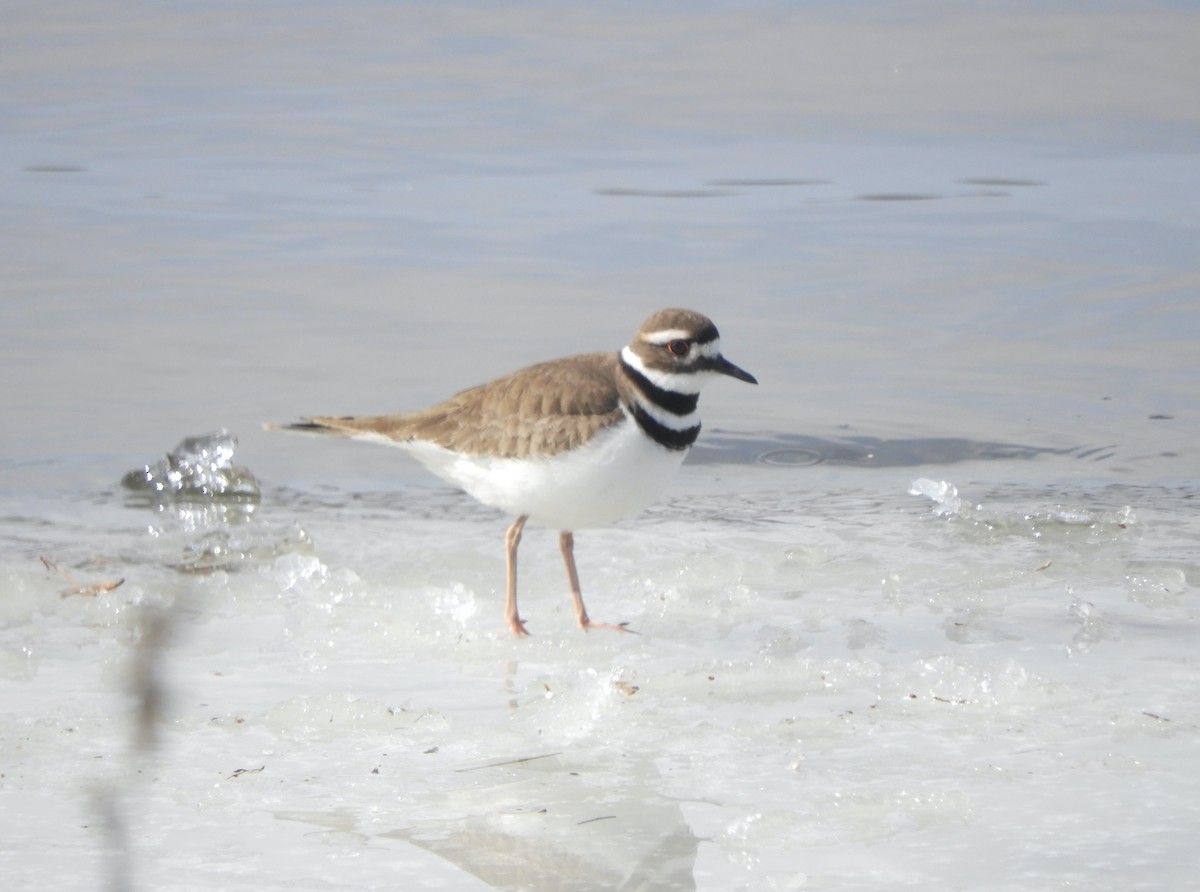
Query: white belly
<point x="619" y="473"/>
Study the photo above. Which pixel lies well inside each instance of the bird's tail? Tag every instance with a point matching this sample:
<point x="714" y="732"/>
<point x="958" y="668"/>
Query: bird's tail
<point x="308" y="426"/>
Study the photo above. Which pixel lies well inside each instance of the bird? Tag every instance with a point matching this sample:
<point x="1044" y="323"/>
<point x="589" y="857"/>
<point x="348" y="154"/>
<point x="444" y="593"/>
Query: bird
<point x="572" y="443"/>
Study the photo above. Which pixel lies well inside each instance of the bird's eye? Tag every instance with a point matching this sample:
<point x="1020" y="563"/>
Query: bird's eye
<point x="679" y="347"/>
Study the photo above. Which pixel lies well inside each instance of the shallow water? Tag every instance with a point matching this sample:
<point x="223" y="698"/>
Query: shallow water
<point x="919" y="611"/>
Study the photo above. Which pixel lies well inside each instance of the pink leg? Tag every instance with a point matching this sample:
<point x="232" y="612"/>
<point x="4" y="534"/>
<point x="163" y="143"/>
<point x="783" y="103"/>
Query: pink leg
<point x="566" y="541"/>
<point x="511" y="540"/>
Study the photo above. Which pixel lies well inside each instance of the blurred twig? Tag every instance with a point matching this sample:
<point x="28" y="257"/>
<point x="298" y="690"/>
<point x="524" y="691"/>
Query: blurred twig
<point x="152" y="635"/>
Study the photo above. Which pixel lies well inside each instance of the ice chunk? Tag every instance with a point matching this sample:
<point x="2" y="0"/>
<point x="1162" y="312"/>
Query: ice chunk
<point x="208" y="505"/>
<point x="943" y="494"/>
<point x="1093" y="627"/>
<point x="199" y="468"/>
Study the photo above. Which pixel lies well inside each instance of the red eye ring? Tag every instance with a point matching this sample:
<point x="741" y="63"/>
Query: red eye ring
<point x="679" y="347"/>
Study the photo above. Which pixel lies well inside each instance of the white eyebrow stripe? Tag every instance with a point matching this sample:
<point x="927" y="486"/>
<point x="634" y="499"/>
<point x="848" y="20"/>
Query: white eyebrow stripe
<point x="667" y="335"/>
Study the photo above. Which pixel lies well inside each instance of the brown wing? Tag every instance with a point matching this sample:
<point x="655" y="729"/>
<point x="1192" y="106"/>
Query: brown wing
<point x="541" y="410"/>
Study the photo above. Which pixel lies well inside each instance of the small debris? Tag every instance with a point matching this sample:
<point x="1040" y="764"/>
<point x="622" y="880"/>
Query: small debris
<point x="242" y="771"/>
<point x="90" y="589"/>
<point x="508" y="762"/>
<point x="600" y="818"/>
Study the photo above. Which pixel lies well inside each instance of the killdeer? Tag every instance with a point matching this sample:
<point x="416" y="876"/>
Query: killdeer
<point x="571" y="443"/>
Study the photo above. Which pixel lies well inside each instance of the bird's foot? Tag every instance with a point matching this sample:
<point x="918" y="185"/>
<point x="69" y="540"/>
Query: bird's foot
<point x="517" y="625"/>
